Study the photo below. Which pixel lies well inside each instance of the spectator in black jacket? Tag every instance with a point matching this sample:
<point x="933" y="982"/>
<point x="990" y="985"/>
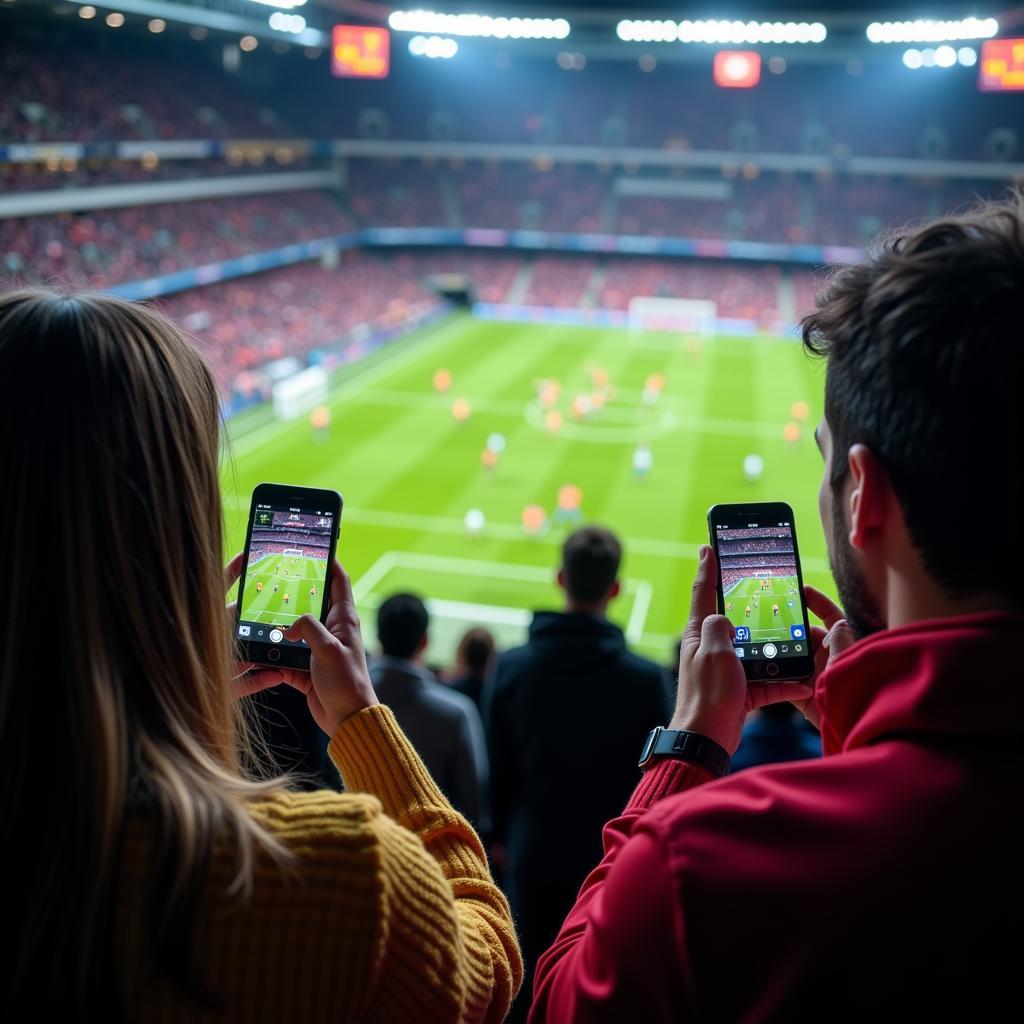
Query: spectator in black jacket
<point x="565" y="716"/>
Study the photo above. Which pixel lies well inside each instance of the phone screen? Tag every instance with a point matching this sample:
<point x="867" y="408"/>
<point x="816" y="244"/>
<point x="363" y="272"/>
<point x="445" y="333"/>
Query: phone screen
<point x="761" y="590"/>
<point x="289" y="551"/>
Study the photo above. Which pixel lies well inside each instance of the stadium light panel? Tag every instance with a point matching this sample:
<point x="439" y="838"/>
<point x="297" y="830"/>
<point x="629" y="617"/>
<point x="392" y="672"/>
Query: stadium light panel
<point x="967" y="56"/>
<point x="291" y="23"/>
<point x="434" y="47"/>
<point x="433" y="23"/>
<point x="718" y="32"/>
<point x="912" y="59"/>
<point x="931" y="31"/>
<point x="286" y="5"/>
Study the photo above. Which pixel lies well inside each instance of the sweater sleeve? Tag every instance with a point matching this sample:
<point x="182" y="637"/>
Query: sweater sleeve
<point x="620" y="953"/>
<point x="450" y="951"/>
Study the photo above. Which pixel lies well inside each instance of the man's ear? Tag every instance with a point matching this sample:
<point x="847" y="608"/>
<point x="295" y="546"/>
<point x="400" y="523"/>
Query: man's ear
<point x="615" y="591"/>
<point x="561" y="578"/>
<point x="868" y="497"/>
<point x="422" y="645"/>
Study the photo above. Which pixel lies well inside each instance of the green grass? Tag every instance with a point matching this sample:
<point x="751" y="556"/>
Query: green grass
<point x="761" y="597"/>
<point x="286" y="584"/>
<point x="409" y="472"/>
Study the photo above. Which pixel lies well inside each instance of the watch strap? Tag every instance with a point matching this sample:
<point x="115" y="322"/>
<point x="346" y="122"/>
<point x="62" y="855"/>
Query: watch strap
<point x="685" y="746"/>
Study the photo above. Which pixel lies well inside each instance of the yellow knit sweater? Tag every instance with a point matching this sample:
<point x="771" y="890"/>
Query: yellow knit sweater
<point x="391" y="914"/>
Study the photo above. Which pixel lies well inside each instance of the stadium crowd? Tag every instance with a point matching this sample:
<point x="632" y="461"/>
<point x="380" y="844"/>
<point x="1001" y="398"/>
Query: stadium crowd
<point x="732" y="576"/>
<point x="241" y="324"/>
<point x="107" y="247"/>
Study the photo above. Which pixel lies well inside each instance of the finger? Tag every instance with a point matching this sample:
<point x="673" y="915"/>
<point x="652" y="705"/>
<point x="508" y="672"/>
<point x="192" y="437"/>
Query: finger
<point x="824" y="607"/>
<point x="233" y="570"/>
<point x="819" y="648"/>
<point x="716" y="634"/>
<point x="703" y="599"/>
<point x="315" y="633"/>
<point x="344" y="617"/>
<point x="255" y="682"/>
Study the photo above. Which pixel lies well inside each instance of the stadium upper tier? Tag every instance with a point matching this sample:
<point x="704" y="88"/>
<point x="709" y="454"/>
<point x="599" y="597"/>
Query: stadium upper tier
<point x="102" y="88"/>
<point x="106" y="247"/>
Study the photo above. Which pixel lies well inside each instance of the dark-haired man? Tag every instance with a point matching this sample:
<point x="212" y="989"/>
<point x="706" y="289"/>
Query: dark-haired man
<point x="564" y="714"/>
<point x="883" y="881"/>
<point x="443" y="726"/>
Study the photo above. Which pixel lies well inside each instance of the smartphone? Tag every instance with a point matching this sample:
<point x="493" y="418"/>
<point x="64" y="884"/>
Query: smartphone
<point x="289" y="547"/>
<point x="761" y="588"/>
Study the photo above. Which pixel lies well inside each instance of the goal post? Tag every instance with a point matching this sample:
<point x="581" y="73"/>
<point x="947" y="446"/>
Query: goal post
<point x="300" y="393"/>
<point x="292" y="552"/>
<point x="680" y="316"/>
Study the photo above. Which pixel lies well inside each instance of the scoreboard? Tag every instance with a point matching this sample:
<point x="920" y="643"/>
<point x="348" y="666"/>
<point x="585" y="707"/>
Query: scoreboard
<point x="1002" y="65"/>
<point x="360" y="51"/>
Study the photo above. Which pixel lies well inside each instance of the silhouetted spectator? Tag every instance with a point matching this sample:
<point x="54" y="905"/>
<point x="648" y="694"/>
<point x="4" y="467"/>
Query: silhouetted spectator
<point x="442" y="725"/>
<point x="566" y="714"/>
<point x="473" y="658"/>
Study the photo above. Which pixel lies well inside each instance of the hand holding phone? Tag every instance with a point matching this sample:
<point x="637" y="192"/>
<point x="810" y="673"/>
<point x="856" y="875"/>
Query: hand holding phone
<point x="289" y="549"/>
<point x="760" y="588"/>
<point x="338" y="683"/>
<point x="714" y="695"/>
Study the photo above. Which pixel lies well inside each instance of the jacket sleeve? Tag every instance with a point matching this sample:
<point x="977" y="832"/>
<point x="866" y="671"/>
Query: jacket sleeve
<point x="620" y="954"/>
<point x="449" y="947"/>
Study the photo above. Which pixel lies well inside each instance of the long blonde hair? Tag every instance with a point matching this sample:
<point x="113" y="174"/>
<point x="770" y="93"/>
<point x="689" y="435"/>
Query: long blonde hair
<point x="115" y="657"/>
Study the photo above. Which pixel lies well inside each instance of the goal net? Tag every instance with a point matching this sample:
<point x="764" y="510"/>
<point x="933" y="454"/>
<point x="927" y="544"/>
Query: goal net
<point x="300" y="393"/>
<point x="292" y="552"/>
<point x="681" y="316"/>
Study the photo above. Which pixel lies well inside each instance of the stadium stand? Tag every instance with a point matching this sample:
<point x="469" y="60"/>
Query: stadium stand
<point x="243" y="323"/>
<point x="62" y="94"/>
<point x="106" y="247"/>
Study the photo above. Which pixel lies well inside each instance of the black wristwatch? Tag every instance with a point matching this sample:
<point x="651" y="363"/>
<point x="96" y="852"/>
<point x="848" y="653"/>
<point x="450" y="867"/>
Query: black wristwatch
<point x="685" y="746"/>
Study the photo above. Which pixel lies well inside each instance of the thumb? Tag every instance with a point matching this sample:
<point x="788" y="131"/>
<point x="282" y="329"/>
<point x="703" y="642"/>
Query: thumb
<point x="716" y="634"/>
<point x="838" y="638"/>
<point x="314" y="632"/>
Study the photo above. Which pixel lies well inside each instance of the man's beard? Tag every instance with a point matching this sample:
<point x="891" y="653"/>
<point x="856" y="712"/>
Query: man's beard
<point x="861" y="608"/>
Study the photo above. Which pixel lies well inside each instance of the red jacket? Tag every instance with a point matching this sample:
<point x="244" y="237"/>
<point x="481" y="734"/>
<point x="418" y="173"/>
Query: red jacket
<point x="882" y="880"/>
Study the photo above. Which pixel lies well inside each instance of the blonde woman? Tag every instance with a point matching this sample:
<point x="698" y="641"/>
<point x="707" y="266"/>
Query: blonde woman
<point x="150" y="874"/>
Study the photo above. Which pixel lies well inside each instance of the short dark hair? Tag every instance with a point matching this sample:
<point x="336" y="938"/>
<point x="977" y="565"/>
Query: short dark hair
<point x="590" y="560"/>
<point x="401" y="624"/>
<point x="476" y="648"/>
<point x="925" y="365"/>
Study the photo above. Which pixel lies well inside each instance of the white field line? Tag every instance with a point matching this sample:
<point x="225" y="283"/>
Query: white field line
<point x="404" y="354"/>
<point x="466" y="611"/>
<point x="638" y="615"/>
<point x="640" y="590"/>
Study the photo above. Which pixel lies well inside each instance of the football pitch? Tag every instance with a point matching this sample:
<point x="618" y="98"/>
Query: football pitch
<point x="409" y="472"/>
<point x="286" y="582"/>
<point x="760" y="596"/>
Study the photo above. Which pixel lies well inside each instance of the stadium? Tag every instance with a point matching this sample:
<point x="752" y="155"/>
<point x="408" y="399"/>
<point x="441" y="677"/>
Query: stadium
<point x="533" y="287"/>
<point x="598" y="199"/>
